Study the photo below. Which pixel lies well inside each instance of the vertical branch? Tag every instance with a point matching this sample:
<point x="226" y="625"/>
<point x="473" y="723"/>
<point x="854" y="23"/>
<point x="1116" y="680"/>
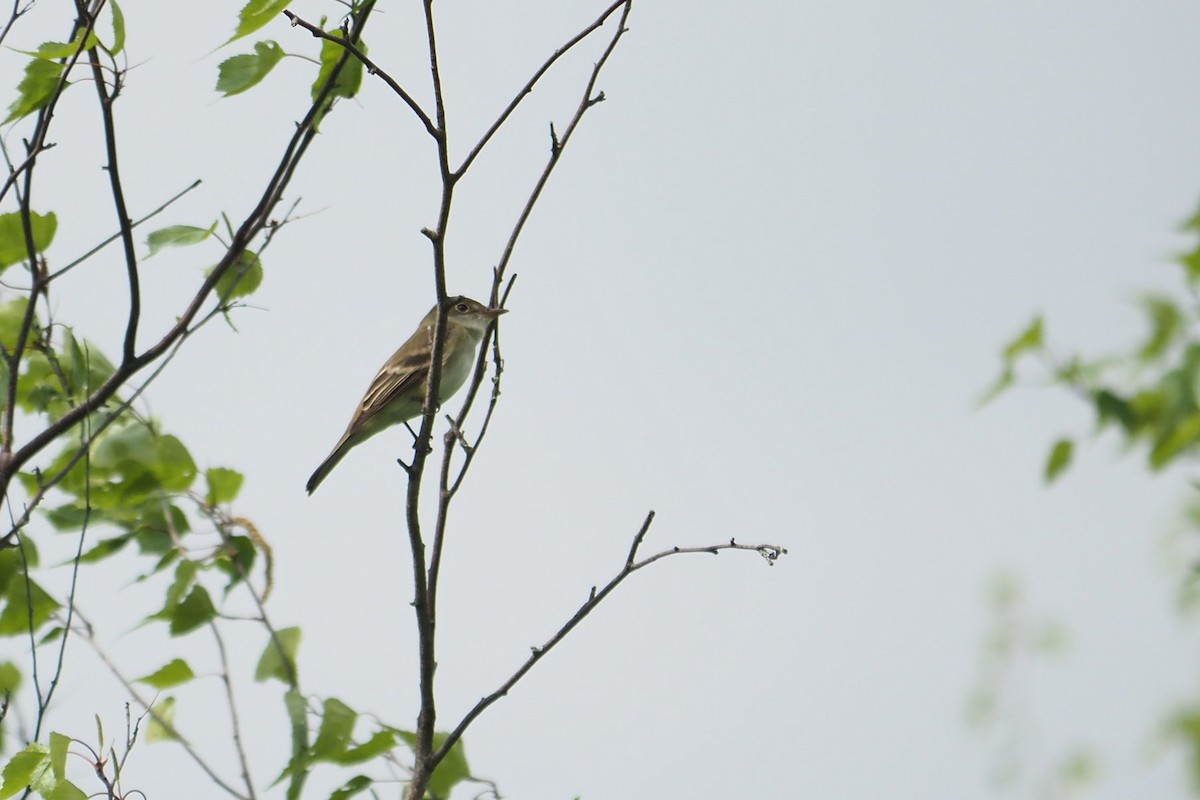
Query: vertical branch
<point x="125" y="224"/>
<point x="425" y="762"/>
<point x="423" y="604"/>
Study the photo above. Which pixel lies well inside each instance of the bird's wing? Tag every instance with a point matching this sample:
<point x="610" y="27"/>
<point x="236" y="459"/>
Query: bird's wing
<point x="397" y="376"/>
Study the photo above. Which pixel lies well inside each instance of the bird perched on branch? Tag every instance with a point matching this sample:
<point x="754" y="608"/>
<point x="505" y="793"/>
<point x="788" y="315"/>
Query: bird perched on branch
<point x="398" y="391"/>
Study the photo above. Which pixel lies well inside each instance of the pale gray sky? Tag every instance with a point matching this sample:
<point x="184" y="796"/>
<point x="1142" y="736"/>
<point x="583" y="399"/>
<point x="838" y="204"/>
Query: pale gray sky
<point x="761" y="296"/>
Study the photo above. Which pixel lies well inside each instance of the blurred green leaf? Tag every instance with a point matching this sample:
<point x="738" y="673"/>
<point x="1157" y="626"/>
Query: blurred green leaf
<point x="162" y="721"/>
<point x="239" y="73"/>
<point x="12" y="239"/>
<point x="35" y="89"/>
<point x="177" y="236"/>
<point x="223" y="485"/>
<point x="193" y="611"/>
<point x="297" y="767"/>
<point x="10" y="677"/>
<point x="1028" y="339"/>
<point x="256" y="14"/>
<point x="27" y="607"/>
<point x="1059" y="459"/>
<point x="380" y="742"/>
<point x="242" y="278"/>
<point x="1002" y="384"/>
<point x="1191" y="265"/>
<point x="356" y="785"/>
<point x="1112" y="407"/>
<point x="1186" y="725"/>
<point x="337" y="726"/>
<point x="88" y="366"/>
<point x="105" y="548"/>
<point x="12" y="313"/>
<point x="236" y="559"/>
<point x="1165" y="324"/>
<point x="275" y="664"/>
<point x="450" y="771"/>
<point x="173" y="673"/>
<point x="1175" y="441"/>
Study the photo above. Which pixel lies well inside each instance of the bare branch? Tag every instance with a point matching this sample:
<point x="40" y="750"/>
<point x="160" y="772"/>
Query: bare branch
<point x="770" y="552"/>
<point x="528" y="87"/>
<point x="372" y="67"/>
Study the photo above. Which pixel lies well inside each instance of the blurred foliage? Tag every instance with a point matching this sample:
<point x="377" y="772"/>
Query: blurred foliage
<point x="1149" y="395"/>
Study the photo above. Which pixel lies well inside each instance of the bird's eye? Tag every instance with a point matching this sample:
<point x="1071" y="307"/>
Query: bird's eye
<point x="461" y="308"/>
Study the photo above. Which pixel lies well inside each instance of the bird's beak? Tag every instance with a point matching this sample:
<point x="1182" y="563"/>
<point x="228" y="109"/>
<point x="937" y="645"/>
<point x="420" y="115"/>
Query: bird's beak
<point x="496" y="312"/>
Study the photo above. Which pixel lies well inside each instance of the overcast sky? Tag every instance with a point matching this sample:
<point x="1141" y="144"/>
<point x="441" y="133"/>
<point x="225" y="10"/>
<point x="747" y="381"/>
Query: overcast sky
<point x="761" y="296"/>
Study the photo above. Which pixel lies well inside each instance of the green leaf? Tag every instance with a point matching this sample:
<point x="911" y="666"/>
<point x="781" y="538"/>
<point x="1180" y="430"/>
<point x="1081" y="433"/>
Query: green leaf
<point x="58" y="754"/>
<point x="236" y="75"/>
<point x="56" y="50"/>
<point x="1028" y="339"/>
<point x="349" y="80"/>
<point x="1165" y="323"/>
<point x="1060" y="458"/>
<point x="1191" y="265"/>
<point x="162" y="721"/>
<point x="20" y="615"/>
<point x="1175" y="440"/>
<point x="223" y="485"/>
<point x="256" y="14"/>
<point x="355" y="785"/>
<point x="275" y="664"/>
<point x="105" y="548"/>
<point x="242" y="278"/>
<point x="26" y="768"/>
<point x="12" y="237"/>
<point x="173" y="464"/>
<point x="1111" y="406"/>
<point x="173" y="673"/>
<point x="65" y="790"/>
<point x="124" y="444"/>
<point x="36" y="89"/>
<point x="89" y="368"/>
<point x="236" y="559"/>
<point x="297" y="766"/>
<point x="380" y="742"/>
<point x="195" y="610"/>
<point x="177" y="236"/>
<point x="450" y="771"/>
<point x="10" y="677"/>
<point x="118" y="23"/>
<point x="337" y="726"/>
<point x="1001" y="384"/>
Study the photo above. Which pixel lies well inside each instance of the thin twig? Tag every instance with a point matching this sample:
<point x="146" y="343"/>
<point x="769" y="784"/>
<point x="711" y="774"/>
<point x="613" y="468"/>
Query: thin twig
<point x="372" y="67"/>
<point x="166" y="724"/>
<point x="770" y="552"/>
<point x="528" y="87"/>
<point x="71" y="265"/>
<point x="233" y="713"/>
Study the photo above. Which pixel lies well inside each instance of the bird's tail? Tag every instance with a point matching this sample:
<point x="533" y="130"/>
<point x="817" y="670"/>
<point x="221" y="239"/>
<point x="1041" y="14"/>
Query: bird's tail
<point x="328" y="464"/>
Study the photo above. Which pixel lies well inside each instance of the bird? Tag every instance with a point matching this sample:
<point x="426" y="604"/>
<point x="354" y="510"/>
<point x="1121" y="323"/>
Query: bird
<point x="397" y="393"/>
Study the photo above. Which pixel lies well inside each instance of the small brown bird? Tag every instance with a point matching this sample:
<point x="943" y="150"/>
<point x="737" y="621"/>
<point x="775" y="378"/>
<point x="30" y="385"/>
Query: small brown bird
<point x="398" y="391"/>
